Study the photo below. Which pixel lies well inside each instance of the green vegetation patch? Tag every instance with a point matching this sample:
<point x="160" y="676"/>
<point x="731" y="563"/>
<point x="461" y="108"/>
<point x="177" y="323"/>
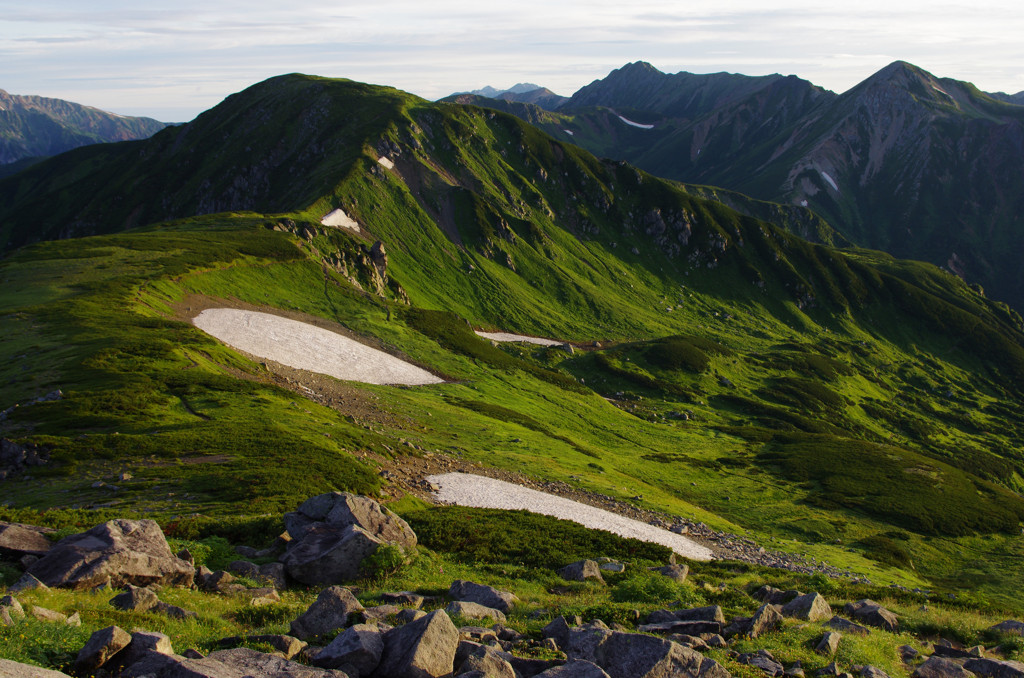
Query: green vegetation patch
<point x="475" y="535"/>
<point x="893" y="485"/>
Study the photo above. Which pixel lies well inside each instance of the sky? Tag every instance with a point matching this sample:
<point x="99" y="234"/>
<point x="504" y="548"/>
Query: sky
<point x="172" y="61"/>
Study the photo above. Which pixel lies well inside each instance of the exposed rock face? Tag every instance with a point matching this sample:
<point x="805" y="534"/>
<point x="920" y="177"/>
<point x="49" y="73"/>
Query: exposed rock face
<point x="425" y="647"/>
<point x="358" y="650"/>
<point x="487" y="596"/>
<point x="328" y="613"/>
<point x="17" y="540"/>
<point x="333" y="533"/>
<point x="101" y="646"/>
<point x="118" y="552"/>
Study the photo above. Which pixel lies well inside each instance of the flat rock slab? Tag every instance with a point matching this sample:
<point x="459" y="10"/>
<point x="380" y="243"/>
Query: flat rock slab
<point x="9" y="669"/>
<point x="19" y="540"/>
<point x="308" y="347"/>
<point x="465" y="489"/>
<point x="518" y="338"/>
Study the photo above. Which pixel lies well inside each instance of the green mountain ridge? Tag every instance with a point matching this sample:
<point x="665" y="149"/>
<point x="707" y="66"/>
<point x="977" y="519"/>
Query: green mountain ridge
<point x="834" y="402"/>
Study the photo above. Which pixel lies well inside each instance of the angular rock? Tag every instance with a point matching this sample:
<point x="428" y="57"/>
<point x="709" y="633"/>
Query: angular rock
<point x="328" y="613"/>
<point x="1009" y="626"/>
<point x="486" y="662"/>
<point x="582" y="570"/>
<point x="579" y="668"/>
<point x="289" y="646"/>
<point x="690" y="628"/>
<point x="908" y="653"/>
<point x="13" y="607"/>
<point x="17" y="540"/>
<point x="121" y="551"/>
<point x="712" y="613"/>
<point x="273" y="574"/>
<point x="12" y="669"/>
<point x="763" y="660"/>
<point x="425" y="647"/>
<point x="243" y="568"/>
<point x="674" y="572"/>
<point x="468" y="610"/>
<point x="240" y="662"/>
<point x="27" y="582"/>
<point x="173" y="611"/>
<point x="43" y="614"/>
<point x="488" y="596"/>
<point x="809" y="607"/>
<point x="558" y="630"/>
<point x="358" y="650"/>
<point x="993" y="668"/>
<point x="135" y="598"/>
<point x="612" y="566"/>
<point x="101" y="646"/>
<point x="872" y="672"/>
<point x="378" y="613"/>
<point x="408" y="614"/>
<point x="828" y="644"/>
<point x="144" y="644"/>
<point x="333" y="533"/>
<point x="583" y="640"/>
<point x="403" y="598"/>
<point x="633" y="655"/>
<point x="774" y="596"/>
<point x="871" y="613"/>
<point x="937" y="667"/>
<point x="765" y="620"/>
<point x="847" y="626"/>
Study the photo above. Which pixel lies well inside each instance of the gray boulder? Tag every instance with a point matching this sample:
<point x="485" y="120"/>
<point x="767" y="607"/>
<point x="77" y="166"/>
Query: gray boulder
<point x="579" y="668"/>
<point x="937" y="667"/>
<point x="582" y="570"/>
<point x="486" y="662"/>
<point x="677" y="573"/>
<point x="1009" y="626"/>
<point x="993" y="668"/>
<point x="118" y="552"/>
<point x="403" y="598"/>
<point x="634" y="655"/>
<point x="809" y="607"/>
<point x="871" y="613"/>
<point x="425" y="647"/>
<point x="240" y="662"/>
<point x="828" y="644"/>
<point x="774" y="596"/>
<point x="765" y="620"/>
<point x="333" y="533"/>
<point x="763" y="660"/>
<point x="712" y="613"/>
<point x="101" y="646"/>
<point x="289" y="646"/>
<point x="328" y="613"/>
<point x="468" y="610"/>
<point x="17" y="540"/>
<point x="689" y="628"/>
<point x="143" y="644"/>
<point x="12" y="669"/>
<point x="358" y="651"/>
<point x="487" y="596"/>
<point x="135" y="598"/>
<point x="847" y="626"/>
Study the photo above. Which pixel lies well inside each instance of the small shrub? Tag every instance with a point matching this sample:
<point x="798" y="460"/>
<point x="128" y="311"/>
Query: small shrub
<point x="387" y="560"/>
<point x="648" y="587"/>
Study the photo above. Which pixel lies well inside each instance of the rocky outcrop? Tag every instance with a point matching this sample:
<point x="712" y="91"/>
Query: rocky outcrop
<point x="332" y="534"/>
<point x="117" y="553"/>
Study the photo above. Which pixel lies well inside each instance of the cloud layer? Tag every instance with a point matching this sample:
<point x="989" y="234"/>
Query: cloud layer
<point x="171" y="62"/>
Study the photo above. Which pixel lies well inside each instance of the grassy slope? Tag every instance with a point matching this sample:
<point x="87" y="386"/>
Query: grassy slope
<point x="554" y="243"/>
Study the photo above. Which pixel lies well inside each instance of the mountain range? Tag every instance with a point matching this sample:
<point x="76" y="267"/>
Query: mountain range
<point x="905" y="162"/>
<point x="37" y="127"/>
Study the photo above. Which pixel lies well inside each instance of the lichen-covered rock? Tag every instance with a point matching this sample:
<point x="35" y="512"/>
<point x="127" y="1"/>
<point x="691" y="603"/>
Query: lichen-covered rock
<point x="17" y="540"/>
<point x="358" y="650"/>
<point x="425" y="647"/>
<point x="328" y="613"/>
<point x="809" y="607"/>
<point x="766" y="619"/>
<point x="118" y="552"/>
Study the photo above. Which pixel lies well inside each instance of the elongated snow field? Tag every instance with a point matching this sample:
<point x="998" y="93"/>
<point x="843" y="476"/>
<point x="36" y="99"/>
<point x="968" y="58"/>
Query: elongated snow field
<point x="465" y="489"/>
<point x="505" y="336"/>
<point x="307" y="347"/>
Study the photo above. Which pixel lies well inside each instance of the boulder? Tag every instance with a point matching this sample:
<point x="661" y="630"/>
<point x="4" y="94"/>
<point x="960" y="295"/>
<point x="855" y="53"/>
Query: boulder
<point x="425" y="647"/>
<point x="143" y="645"/>
<point x="674" y="572"/>
<point x="871" y="613"/>
<point x="774" y="596"/>
<point x="135" y="598"/>
<point x="690" y="628"/>
<point x="378" y="613"/>
<point x="937" y="667"/>
<point x="289" y="646"/>
<point x="240" y="662"/>
<point x="46" y="615"/>
<point x="173" y="611"/>
<point x="993" y="668"/>
<point x="244" y="568"/>
<point x="27" y="582"/>
<point x="558" y="630"/>
<point x="579" y="668"/>
<point x="120" y="552"/>
<point x="634" y="655"/>
<point x="10" y="609"/>
<point x="273" y="574"/>
<point x="582" y="570"/>
<point x="328" y="613"/>
<point x="358" y="650"/>
<point x="403" y="598"/>
<point x="333" y="533"/>
<point x="712" y="613"/>
<point x="101" y="646"/>
<point x="488" y="596"/>
<point x="1009" y="626"/>
<point x="871" y="672"/>
<point x="486" y="662"/>
<point x="12" y="669"/>
<point x="907" y="653"/>
<point x="809" y="607"/>
<point x="763" y="660"/>
<point x="847" y="626"/>
<point x="766" y="619"/>
<point x="17" y="540"/>
<point x="468" y="610"/>
<point x="828" y="644"/>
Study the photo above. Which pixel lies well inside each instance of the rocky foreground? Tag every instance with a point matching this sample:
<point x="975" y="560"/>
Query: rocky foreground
<point x="331" y="539"/>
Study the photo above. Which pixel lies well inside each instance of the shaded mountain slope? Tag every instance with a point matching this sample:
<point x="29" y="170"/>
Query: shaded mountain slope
<point x="32" y="126"/>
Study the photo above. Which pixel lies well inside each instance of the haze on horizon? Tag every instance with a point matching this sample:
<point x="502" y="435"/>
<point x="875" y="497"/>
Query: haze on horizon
<point x="172" y="61"/>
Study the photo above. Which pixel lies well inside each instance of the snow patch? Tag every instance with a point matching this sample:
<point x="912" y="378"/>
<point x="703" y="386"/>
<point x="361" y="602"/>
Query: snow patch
<point x="505" y="336"/>
<point x="569" y="132"/>
<point x="386" y="162"/>
<point x="803" y="203"/>
<point x="941" y="91"/>
<point x="635" y="124"/>
<point x="464" y="489"/>
<point x="339" y="219"/>
<point x="308" y="347"/>
<point x="830" y="180"/>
